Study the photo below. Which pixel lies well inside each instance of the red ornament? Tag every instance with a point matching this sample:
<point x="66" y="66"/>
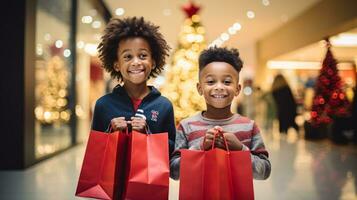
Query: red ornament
<point x="330" y="72"/>
<point x="313" y="114"/>
<point x="334" y="95"/>
<point x="190" y="9"/>
<point x="321" y="100"/>
<point x="342" y="96"/>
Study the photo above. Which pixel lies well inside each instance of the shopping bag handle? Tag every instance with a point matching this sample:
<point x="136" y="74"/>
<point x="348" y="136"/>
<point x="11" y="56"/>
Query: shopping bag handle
<point x="217" y="133"/>
<point x="110" y="129"/>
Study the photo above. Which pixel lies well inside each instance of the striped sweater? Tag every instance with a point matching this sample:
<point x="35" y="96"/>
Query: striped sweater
<point x="190" y="133"/>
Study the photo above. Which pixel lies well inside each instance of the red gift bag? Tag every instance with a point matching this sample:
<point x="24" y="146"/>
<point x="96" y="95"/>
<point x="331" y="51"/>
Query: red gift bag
<point x="148" y="167"/>
<point x="216" y="175"/>
<point x="100" y="169"/>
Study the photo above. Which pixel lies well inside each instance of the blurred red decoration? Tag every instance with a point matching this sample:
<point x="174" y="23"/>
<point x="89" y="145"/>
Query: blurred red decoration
<point x="190" y="9"/>
<point x="329" y="101"/>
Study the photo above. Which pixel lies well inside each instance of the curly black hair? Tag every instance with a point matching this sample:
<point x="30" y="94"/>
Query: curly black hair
<point x="121" y="29"/>
<point x="220" y="54"/>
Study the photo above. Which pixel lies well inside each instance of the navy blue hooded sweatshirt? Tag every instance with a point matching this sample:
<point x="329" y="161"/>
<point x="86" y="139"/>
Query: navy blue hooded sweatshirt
<point x="157" y="109"/>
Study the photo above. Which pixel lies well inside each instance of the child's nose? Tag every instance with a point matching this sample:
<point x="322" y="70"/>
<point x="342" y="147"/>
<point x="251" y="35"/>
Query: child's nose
<point x="219" y="86"/>
<point x="136" y="61"/>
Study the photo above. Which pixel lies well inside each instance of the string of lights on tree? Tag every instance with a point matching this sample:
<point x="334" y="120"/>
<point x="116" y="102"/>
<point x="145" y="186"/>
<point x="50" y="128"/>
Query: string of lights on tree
<point x="330" y="99"/>
<point x="182" y="76"/>
<point x="52" y="89"/>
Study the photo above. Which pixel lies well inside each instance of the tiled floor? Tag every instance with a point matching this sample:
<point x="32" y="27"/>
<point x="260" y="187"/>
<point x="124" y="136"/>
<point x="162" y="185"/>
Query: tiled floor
<point x="300" y="170"/>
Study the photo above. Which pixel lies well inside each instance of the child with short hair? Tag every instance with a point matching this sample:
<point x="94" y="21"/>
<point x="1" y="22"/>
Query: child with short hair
<point x="132" y="50"/>
<point x="219" y="83"/>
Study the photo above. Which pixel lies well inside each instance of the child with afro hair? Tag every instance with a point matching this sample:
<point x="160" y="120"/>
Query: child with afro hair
<point x="132" y="50"/>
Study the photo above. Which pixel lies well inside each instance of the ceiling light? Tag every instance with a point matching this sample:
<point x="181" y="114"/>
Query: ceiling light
<point x="87" y="19"/>
<point x="344" y="39"/>
<point x="119" y="11"/>
<point x="59" y="43"/>
<point x="250" y="14"/>
<point x="224" y="36"/>
<point x="232" y="30"/>
<point x="66" y="53"/>
<point x="266" y="2"/>
<point x="39" y="49"/>
<point x="237" y="26"/>
<point x="96" y="24"/>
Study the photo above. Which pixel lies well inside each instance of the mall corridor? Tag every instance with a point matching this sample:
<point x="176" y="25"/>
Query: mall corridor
<point x="300" y="170"/>
<point x="291" y="66"/>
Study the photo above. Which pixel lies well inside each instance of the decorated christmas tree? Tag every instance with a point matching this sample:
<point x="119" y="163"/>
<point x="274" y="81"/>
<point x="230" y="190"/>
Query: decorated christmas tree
<point x="330" y="100"/>
<point x="182" y="76"/>
<point x="52" y="91"/>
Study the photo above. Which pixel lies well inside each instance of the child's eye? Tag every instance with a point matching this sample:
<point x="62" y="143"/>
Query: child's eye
<point x="227" y="82"/>
<point x="210" y="82"/>
<point x="143" y="56"/>
<point x="127" y="57"/>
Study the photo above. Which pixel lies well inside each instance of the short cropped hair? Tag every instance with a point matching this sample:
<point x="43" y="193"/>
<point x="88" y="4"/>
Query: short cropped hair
<point x="131" y="27"/>
<point x="220" y="54"/>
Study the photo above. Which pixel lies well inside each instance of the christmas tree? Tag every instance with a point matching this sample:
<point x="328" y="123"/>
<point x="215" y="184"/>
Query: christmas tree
<point x="182" y="76"/>
<point x="330" y="100"/>
<point x="52" y="91"/>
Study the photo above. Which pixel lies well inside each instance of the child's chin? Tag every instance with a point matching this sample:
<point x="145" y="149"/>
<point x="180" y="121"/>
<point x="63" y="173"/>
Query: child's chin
<point x="220" y="106"/>
<point x="138" y="80"/>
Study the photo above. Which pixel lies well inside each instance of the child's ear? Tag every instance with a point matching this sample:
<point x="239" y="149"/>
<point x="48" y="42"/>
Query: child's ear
<point x="116" y="67"/>
<point x="199" y="88"/>
<point x="238" y="89"/>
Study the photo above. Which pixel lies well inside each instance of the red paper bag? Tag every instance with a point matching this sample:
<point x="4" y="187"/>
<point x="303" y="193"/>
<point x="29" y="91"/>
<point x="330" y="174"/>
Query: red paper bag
<point x="148" y="160"/>
<point x="216" y="175"/>
<point x="100" y="169"/>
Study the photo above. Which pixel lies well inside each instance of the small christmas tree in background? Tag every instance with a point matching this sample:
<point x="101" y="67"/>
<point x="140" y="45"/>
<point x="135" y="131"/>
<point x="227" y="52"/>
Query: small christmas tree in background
<point x="330" y="100"/>
<point x="182" y="76"/>
<point x="52" y="91"/>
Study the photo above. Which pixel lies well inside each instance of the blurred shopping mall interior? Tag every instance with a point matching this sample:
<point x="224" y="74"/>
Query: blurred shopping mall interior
<point x="299" y="59"/>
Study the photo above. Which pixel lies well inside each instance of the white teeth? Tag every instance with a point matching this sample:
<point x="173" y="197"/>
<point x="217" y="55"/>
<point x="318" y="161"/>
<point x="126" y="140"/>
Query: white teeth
<point x="218" y="96"/>
<point x="136" y="71"/>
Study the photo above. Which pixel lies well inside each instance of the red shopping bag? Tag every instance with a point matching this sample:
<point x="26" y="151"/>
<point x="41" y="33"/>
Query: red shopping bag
<point x="148" y="167"/>
<point x="216" y="175"/>
<point x="102" y="165"/>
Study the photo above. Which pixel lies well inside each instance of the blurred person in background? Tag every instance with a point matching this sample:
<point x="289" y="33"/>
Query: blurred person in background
<point x="285" y="104"/>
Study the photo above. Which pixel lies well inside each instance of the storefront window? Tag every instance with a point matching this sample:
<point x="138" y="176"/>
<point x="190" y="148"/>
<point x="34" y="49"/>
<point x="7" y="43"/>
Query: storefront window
<point x="90" y="81"/>
<point x="52" y="77"/>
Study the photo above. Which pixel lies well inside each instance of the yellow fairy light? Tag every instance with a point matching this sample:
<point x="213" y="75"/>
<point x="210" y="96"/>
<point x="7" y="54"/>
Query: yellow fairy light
<point x="65" y="115"/>
<point x="47" y="115"/>
<point x="187" y="29"/>
<point x="196" y="18"/>
<point x="62" y="93"/>
<point x="188" y="22"/>
<point x="200" y="30"/>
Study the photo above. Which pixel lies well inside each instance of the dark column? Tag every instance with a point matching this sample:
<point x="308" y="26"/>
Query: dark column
<point x="17" y="52"/>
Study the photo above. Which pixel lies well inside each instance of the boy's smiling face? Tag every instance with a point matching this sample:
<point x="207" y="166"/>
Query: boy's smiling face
<point x="134" y="60"/>
<point x="219" y="84"/>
